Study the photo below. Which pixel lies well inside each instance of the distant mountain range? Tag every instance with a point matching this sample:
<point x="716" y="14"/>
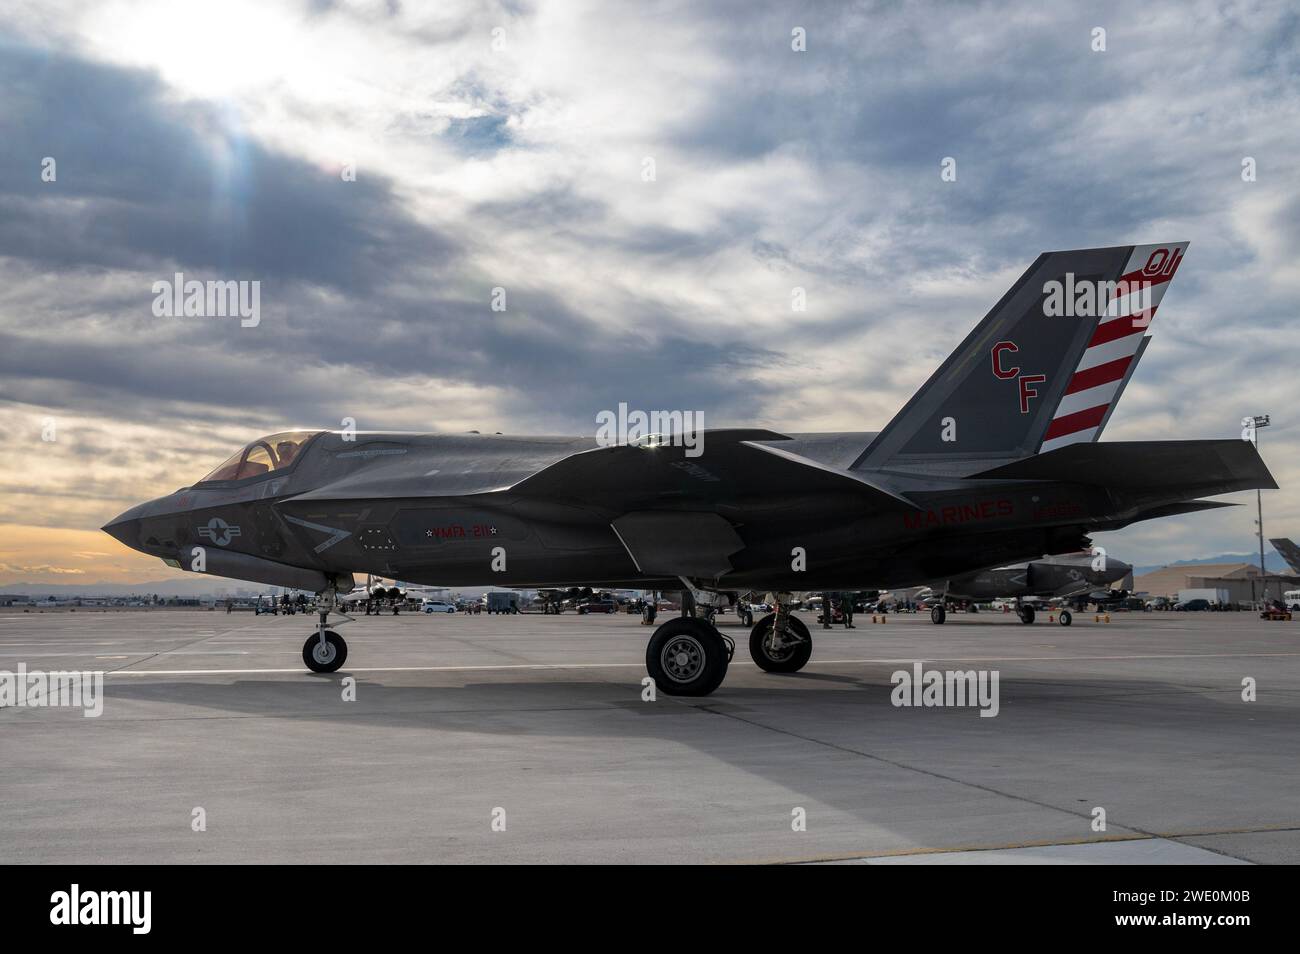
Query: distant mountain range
<point x="1273" y="562"/>
<point x="182" y="588"/>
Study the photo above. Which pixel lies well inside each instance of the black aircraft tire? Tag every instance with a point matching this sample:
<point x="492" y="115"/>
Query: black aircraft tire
<point x="336" y="652"/>
<point x="792" y="659"/>
<point x="1065" y="618"/>
<point x="937" y="615"/>
<point x="686" y="657"/>
<point x="1027" y="615"/>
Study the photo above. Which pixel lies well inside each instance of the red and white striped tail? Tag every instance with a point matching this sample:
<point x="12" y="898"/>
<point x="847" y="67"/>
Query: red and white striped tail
<point x="1113" y="349"/>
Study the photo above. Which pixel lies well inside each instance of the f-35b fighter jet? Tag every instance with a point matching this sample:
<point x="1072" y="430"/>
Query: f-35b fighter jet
<point x="993" y="461"/>
<point x="1052" y="577"/>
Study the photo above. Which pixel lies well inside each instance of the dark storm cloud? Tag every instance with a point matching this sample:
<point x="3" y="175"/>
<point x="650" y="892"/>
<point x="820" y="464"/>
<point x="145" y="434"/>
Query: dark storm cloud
<point x="150" y="185"/>
<point x="1020" y="101"/>
<point x="143" y="182"/>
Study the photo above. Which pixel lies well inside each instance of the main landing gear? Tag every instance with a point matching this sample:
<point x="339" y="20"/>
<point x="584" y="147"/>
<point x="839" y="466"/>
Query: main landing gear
<point x="687" y="656"/>
<point x="1026" y="613"/>
<point x="780" y="642"/>
<point x="325" y="650"/>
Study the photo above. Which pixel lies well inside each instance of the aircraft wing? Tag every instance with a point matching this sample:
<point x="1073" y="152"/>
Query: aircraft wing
<point x="735" y="465"/>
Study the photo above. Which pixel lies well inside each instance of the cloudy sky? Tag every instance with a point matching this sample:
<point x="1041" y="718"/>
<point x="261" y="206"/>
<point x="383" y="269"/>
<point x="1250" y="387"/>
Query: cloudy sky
<point x="506" y="144"/>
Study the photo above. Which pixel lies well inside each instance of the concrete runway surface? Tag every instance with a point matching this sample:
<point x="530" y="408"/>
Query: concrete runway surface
<point x="457" y="717"/>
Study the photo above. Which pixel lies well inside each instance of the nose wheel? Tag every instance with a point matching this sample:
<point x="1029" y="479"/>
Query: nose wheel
<point x="324" y="652"/>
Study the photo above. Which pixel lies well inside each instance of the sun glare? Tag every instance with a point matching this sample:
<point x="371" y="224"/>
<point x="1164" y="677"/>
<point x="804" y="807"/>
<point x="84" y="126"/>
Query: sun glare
<point x="207" y="50"/>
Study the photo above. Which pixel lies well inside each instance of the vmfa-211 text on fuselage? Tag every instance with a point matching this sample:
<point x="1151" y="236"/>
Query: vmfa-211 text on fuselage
<point x="993" y="461"/>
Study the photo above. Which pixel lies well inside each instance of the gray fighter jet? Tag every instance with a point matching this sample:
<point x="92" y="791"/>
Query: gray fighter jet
<point x="1289" y="551"/>
<point x="994" y="460"/>
<point x="1052" y="577"/>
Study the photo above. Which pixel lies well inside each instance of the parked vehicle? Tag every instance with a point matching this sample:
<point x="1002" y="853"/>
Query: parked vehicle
<point x="502" y="602"/>
<point x="1212" y="595"/>
<point x="1192" y="605"/>
<point x="598" y="606"/>
<point x="1276" y="611"/>
<point x="437" y="606"/>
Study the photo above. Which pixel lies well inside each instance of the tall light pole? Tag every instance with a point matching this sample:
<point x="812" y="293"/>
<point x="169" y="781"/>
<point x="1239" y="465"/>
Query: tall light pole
<point x="1251" y="426"/>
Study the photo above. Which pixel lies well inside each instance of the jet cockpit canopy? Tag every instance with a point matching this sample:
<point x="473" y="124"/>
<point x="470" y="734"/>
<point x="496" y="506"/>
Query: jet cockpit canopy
<point x="263" y="456"/>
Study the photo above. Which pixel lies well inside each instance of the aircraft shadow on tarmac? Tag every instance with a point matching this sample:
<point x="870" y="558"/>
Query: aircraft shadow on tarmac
<point x="937" y="777"/>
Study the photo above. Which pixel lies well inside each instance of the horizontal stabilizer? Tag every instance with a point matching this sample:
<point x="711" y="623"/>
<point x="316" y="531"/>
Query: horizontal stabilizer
<point x="1203" y="468"/>
<point x="1186" y="506"/>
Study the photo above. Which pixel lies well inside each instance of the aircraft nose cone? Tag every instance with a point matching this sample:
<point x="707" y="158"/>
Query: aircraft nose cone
<point x="125" y="528"/>
<point x="124" y="531"/>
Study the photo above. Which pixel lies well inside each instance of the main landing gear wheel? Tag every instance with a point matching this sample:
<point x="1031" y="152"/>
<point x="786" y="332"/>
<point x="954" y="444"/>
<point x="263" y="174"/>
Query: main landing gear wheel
<point x="1065" y="618"/>
<point x="786" y="654"/>
<point x="938" y="614"/>
<point x="1026" y="614"/>
<point x="687" y="657"/>
<point x="327" y="656"/>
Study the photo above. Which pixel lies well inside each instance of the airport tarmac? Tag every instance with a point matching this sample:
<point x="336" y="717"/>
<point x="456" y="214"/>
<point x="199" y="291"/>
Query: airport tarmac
<point x="457" y="718"/>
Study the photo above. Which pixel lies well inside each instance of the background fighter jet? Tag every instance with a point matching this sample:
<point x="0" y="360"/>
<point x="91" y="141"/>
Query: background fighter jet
<point x="992" y="461"/>
<point x="1290" y="552"/>
<point x="1071" y="574"/>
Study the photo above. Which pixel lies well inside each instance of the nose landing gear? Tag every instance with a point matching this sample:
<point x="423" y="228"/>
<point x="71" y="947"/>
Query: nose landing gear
<point x="325" y="650"/>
